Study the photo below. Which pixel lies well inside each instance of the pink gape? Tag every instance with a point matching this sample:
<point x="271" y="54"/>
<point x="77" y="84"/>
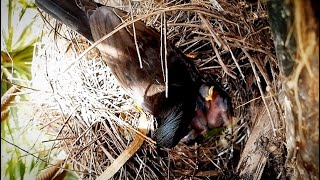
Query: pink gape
<point x="214" y="115"/>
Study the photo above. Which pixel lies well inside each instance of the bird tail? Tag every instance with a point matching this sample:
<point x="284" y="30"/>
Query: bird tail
<point x="69" y="13"/>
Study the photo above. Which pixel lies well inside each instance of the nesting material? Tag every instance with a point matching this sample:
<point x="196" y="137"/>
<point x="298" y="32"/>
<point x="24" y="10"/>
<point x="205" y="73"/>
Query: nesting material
<point x="91" y="118"/>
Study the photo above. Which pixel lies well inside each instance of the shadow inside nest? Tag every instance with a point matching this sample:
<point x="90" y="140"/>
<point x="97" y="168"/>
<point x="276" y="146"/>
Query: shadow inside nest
<point x="231" y="45"/>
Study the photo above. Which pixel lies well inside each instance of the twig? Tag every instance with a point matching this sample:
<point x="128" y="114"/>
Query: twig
<point x="236" y="62"/>
<point x="260" y="89"/>
<point x="165" y="53"/>
<point x="221" y="62"/>
<point x="135" y="39"/>
<point x="127" y="153"/>
<point x="217" y="39"/>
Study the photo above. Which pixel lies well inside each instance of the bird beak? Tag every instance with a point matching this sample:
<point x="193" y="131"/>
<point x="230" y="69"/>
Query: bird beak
<point x="210" y="93"/>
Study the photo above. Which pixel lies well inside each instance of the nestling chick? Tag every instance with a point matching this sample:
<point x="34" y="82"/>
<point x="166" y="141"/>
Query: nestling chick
<point x="216" y="112"/>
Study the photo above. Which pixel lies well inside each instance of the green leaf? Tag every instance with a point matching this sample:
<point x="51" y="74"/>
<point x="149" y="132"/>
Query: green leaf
<point x="214" y="132"/>
<point x="23" y="55"/>
<point x="3" y="129"/>
<point x="22" y="168"/>
<point x="11" y="168"/>
<point x="10" y="131"/>
<point x="27" y="5"/>
<point x="25" y="33"/>
<point x="10" y="29"/>
<point x="4" y="87"/>
<point x="71" y="176"/>
<point x="32" y="164"/>
<point x="14" y="116"/>
<point x="21" y="73"/>
<point x="23" y="10"/>
<point x="4" y="35"/>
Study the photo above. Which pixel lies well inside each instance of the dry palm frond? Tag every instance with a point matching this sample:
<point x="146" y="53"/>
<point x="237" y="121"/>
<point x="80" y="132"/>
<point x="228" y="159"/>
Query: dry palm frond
<point x="6" y="99"/>
<point x="51" y="171"/>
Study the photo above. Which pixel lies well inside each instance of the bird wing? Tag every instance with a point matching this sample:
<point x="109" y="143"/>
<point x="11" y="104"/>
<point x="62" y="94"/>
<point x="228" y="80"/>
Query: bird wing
<point x="68" y="13"/>
<point x="120" y="52"/>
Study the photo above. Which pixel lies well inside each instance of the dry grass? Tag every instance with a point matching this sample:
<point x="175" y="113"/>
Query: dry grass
<point x="92" y="119"/>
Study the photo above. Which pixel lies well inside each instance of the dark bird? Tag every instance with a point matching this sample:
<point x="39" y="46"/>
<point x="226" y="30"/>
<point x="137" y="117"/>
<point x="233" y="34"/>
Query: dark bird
<point x="145" y="85"/>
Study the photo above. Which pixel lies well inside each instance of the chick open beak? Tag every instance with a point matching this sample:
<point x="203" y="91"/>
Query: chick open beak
<point x="210" y="93"/>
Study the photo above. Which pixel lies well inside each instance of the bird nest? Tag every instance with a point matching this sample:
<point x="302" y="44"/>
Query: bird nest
<point x="81" y="105"/>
